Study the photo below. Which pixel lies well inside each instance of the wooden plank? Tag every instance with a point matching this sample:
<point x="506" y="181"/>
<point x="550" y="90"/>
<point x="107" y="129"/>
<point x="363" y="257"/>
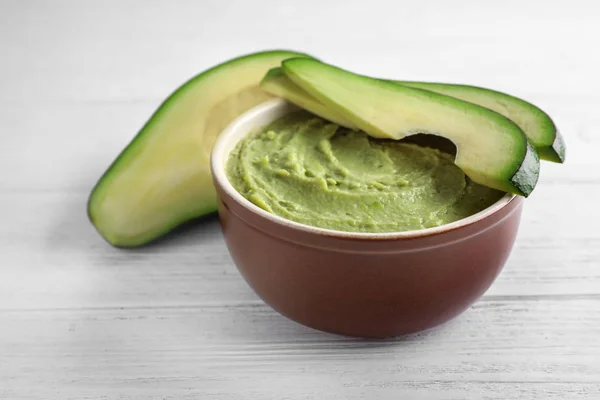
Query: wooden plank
<point x="545" y="346"/>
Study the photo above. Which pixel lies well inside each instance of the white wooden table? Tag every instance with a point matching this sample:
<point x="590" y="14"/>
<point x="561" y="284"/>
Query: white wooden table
<point x="82" y="320"/>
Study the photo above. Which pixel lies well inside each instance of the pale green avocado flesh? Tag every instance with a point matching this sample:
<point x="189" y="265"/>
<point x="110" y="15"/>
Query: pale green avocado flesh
<point x="162" y="178"/>
<point x="492" y="149"/>
<point x="309" y="170"/>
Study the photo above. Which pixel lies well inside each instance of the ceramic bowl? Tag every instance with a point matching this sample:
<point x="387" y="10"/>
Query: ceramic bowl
<point x="359" y="284"/>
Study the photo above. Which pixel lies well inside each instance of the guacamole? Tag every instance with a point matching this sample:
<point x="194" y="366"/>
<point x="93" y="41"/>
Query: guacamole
<point x="306" y="169"/>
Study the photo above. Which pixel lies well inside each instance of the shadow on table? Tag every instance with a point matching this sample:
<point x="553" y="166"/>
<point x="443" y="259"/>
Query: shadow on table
<point x="255" y="322"/>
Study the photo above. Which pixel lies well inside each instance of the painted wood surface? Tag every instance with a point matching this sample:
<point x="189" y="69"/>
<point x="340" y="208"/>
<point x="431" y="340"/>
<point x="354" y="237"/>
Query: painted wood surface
<point x="82" y="320"/>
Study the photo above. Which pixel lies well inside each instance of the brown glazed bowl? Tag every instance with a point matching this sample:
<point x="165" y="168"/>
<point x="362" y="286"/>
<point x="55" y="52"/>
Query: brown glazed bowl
<point x="359" y="284"/>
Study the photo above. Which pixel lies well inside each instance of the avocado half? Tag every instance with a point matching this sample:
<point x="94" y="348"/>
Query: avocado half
<point x="162" y="178"/>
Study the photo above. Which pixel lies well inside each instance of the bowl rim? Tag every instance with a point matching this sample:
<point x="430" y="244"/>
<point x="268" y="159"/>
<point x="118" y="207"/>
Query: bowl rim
<point x="267" y="112"/>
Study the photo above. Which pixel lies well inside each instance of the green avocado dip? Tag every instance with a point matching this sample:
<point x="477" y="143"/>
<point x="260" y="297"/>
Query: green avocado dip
<point x="306" y="169"/>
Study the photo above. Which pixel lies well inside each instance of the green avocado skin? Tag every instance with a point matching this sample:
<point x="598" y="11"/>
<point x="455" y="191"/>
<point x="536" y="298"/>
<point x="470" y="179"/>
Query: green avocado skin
<point x="128" y="227"/>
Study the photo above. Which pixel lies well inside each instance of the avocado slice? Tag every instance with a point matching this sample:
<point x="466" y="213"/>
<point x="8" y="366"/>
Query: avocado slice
<point x="535" y="123"/>
<point x="162" y="178"/>
<point x="491" y="149"/>
<point x="278" y="84"/>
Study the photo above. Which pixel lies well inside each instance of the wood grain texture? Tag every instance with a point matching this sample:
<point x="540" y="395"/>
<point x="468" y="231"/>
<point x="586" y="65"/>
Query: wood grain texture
<point x="174" y="320"/>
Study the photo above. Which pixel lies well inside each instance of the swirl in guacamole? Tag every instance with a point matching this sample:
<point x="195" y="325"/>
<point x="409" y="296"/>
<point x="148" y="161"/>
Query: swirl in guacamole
<point x="306" y="169"/>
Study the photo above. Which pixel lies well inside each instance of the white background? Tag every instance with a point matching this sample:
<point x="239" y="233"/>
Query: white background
<point x="80" y="319"/>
